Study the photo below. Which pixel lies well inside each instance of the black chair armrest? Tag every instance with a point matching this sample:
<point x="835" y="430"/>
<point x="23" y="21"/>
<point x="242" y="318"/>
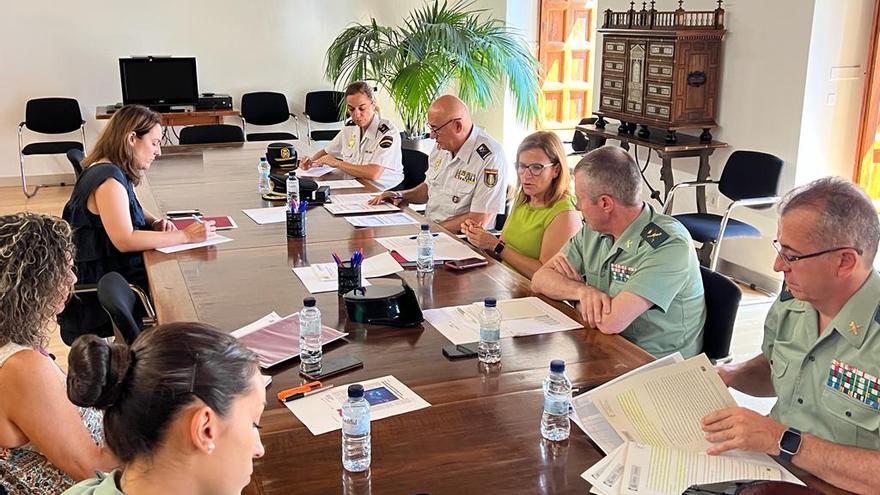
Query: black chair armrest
<point x="84" y="288"/>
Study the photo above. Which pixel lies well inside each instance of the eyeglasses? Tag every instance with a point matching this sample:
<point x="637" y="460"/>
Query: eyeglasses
<point x="435" y="130"/>
<point x="789" y="258"/>
<point x="533" y="168"/>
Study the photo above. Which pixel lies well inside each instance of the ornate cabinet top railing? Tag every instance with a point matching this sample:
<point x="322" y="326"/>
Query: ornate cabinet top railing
<point x="655" y="19"/>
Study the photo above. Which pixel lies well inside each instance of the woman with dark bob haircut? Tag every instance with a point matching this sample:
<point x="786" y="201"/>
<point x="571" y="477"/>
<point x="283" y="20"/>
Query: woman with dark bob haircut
<point x="182" y="407"/>
<point x="46" y="443"/>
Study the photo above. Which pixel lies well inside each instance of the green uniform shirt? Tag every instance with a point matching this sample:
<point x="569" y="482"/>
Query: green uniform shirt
<point x="654" y="258"/>
<point x="524" y="229"/>
<point x="105" y="484"/>
<point x="827" y="384"/>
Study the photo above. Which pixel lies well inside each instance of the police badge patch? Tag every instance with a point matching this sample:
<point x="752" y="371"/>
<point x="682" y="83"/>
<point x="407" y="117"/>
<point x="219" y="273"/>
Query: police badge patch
<point x="483" y="151"/>
<point x="490" y="177"/>
<point x="386" y="142"/>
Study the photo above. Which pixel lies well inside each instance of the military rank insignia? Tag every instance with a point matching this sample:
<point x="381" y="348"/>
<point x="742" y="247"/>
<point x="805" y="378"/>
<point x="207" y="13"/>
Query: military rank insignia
<point x="383" y="128"/>
<point x="854" y="383"/>
<point x="654" y="235"/>
<point x="386" y="142"/>
<point x="490" y="177"/>
<point x="621" y="273"/>
<point x="483" y="151"/>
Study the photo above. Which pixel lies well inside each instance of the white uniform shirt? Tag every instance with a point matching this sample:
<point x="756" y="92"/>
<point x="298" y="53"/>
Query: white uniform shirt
<point x="379" y="145"/>
<point x="474" y="180"/>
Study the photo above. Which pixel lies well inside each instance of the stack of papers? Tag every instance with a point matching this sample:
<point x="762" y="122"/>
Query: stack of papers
<point x="276" y="339"/>
<point x="654" y="444"/>
<point x="445" y="247"/>
<point x="340" y="184"/>
<point x="343" y="204"/>
<point x="382" y="220"/>
<point x="519" y="317"/>
<point x="387" y="397"/>
<point x="262" y="216"/>
<point x="211" y="241"/>
<point x="323" y="277"/>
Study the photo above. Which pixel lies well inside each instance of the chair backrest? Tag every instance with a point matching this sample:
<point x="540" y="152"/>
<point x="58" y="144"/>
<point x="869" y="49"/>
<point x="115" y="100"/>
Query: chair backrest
<point x="75" y="157"/>
<point x="118" y="300"/>
<point x="52" y="115"/>
<point x="264" y="108"/>
<point x="325" y="106"/>
<point x="415" y="164"/>
<point x="215" y="133"/>
<point x="579" y="141"/>
<point x="722" y="302"/>
<point x="750" y="174"/>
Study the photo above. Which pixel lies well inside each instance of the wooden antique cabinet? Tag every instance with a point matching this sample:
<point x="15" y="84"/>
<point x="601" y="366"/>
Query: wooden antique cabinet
<point x="661" y="69"/>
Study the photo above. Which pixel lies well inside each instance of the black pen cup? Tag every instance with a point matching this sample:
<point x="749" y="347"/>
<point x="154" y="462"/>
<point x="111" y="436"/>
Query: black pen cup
<point x="296" y="224"/>
<point x="349" y="277"/>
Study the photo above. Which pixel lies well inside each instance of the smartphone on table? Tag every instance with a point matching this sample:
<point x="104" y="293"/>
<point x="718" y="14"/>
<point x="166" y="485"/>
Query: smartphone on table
<point x="465" y="264"/>
<point x="333" y="367"/>
<point x="453" y="351"/>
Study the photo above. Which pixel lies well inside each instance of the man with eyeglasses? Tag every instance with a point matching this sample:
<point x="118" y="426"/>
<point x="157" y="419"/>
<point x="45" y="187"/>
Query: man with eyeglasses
<point x="821" y="350"/>
<point x="466" y="176"/>
<point x="632" y="270"/>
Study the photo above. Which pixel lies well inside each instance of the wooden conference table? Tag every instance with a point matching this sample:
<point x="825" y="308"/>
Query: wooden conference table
<point x="482" y="429"/>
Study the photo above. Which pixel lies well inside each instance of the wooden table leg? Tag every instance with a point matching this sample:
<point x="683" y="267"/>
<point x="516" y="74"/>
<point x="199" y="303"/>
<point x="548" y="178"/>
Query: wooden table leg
<point x="703" y="175"/>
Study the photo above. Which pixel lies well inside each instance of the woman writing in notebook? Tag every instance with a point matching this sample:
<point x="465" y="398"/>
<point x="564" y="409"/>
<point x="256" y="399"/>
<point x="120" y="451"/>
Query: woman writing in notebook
<point x="368" y="147"/>
<point x="182" y="409"/>
<point x="46" y="443"/>
<point x="111" y="229"/>
<point x="543" y="216"/>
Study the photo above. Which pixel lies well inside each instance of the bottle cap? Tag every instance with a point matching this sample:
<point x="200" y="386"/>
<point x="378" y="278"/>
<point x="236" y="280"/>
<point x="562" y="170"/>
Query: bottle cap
<point x="356" y="390"/>
<point x="425" y="227"/>
<point x="309" y="302"/>
<point x="292" y="173"/>
<point x="557" y="366"/>
<point x="489" y="302"/>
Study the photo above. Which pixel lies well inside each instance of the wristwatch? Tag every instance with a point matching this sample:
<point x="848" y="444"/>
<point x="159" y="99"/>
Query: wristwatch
<point x="498" y="248"/>
<point x="789" y="444"/>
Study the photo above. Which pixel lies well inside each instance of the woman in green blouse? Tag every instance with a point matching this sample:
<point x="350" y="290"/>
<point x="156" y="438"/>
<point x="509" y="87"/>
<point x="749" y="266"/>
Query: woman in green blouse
<point x="543" y="216"/>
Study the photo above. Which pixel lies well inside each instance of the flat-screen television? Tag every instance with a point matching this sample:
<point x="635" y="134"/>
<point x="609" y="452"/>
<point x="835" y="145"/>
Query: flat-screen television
<point x="159" y="81"/>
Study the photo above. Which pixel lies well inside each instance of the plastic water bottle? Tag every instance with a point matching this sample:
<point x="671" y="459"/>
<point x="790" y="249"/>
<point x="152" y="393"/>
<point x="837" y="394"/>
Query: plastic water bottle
<point x="292" y="190"/>
<point x="489" y="348"/>
<point x="310" y="335"/>
<point x="264" y="186"/>
<point x="356" y="430"/>
<point x="425" y="253"/>
<point x="555" y="425"/>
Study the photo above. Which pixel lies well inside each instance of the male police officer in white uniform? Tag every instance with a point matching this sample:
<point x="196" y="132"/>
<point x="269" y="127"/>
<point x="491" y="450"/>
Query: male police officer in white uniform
<point x="466" y="177"/>
<point x="368" y="147"/>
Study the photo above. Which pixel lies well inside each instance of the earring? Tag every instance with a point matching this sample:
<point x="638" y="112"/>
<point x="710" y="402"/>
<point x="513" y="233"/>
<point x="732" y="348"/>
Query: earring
<point x="211" y="447"/>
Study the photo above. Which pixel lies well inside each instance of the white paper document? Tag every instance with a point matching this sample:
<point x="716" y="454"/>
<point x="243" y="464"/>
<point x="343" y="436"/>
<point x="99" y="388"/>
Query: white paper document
<point x="587" y="417"/>
<point x="387" y="396"/>
<point x="382" y="220"/>
<point x="519" y="317"/>
<point x="344" y="204"/>
<point x="340" y="184"/>
<point x="315" y="171"/>
<point x="211" y="241"/>
<point x="445" y="247"/>
<point x="262" y="216"/>
<point x="381" y="265"/>
<point x="322" y="277"/>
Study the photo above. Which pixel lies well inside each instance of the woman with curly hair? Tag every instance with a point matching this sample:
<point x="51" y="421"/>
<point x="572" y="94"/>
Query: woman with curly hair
<point x="46" y="443"/>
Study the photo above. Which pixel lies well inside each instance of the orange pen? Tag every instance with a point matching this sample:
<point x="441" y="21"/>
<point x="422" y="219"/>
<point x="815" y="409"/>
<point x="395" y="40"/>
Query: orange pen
<point x="298" y="389"/>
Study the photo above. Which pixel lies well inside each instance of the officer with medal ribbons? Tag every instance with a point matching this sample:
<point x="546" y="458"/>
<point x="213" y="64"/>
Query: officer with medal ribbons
<point x="367" y="147"/>
<point x="821" y="350"/>
<point x="633" y="271"/>
<point x="466" y="177"/>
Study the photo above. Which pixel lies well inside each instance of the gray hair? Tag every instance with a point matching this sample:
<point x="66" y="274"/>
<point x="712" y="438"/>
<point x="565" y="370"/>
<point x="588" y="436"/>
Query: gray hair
<point x="847" y="217"/>
<point x="611" y="171"/>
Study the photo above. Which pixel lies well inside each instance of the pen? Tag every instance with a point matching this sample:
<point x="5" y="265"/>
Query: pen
<point x="336" y="258"/>
<point x="300" y="395"/>
<point x="416" y="237"/>
<point x="295" y="390"/>
<point x="303" y="206"/>
<point x="197" y="218"/>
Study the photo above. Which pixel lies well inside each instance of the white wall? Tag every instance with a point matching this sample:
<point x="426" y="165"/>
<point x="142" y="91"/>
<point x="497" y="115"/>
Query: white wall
<point x="48" y="50"/>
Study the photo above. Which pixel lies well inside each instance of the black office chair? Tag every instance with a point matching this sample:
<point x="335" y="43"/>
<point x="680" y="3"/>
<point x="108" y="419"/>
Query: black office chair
<point x="119" y="300"/>
<point x="580" y="143"/>
<point x="49" y="116"/>
<point x="75" y="157"/>
<point x="83" y="313"/>
<point x="216" y="133"/>
<point x="722" y="302"/>
<point x="415" y="164"/>
<point x="750" y="178"/>
<point x="265" y="108"/>
<point x="324" y="107"/>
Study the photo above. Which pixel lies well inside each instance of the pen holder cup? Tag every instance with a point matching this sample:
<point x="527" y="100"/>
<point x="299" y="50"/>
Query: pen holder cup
<point x="349" y="277"/>
<point x="296" y="224"/>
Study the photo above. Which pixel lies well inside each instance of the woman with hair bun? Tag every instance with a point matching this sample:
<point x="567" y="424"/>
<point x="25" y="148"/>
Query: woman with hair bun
<point x="46" y="443"/>
<point x="182" y="407"/>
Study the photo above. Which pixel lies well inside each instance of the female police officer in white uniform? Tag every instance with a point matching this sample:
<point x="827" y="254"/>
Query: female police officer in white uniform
<point x="368" y="147"/>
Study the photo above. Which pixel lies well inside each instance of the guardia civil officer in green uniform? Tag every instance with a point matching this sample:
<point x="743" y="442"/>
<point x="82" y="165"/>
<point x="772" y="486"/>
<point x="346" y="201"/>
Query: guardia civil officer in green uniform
<point x="633" y="270"/>
<point x="821" y="351"/>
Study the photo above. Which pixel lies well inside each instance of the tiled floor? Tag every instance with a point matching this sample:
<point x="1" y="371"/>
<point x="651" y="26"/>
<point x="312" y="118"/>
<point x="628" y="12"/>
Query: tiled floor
<point x="747" y="336"/>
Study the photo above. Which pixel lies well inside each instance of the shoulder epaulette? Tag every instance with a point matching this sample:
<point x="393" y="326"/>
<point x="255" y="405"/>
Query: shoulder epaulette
<point x="383" y="128"/>
<point x="654" y="235"/>
<point x="483" y="151"/>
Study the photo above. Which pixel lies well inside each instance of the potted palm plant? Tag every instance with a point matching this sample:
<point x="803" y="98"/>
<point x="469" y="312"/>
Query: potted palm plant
<point x="436" y="45"/>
